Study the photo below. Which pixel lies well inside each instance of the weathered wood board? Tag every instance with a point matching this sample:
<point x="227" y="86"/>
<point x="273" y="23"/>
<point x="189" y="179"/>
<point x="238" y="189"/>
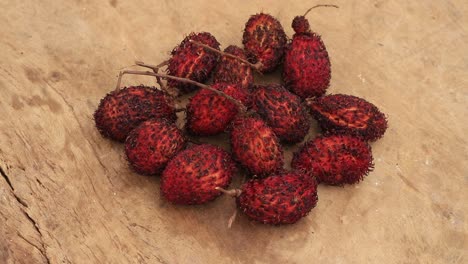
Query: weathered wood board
<point x="67" y="195"/>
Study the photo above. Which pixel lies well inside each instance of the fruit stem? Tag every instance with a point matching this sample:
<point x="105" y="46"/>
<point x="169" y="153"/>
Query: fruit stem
<point x="232" y="219"/>
<point x="241" y="107"/>
<point x="309" y="101"/>
<point x="233" y="192"/>
<point x="142" y="64"/>
<point x="335" y="6"/>
<point x="255" y="66"/>
<point x="155" y="69"/>
<point x="119" y="81"/>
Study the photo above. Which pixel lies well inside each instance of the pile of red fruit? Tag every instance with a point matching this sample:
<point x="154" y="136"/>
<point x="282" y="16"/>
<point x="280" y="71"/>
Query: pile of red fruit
<point x="258" y="117"/>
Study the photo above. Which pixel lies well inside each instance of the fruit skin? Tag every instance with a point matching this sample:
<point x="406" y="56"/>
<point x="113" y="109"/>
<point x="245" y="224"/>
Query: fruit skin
<point x="335" y="159"/>
<point x="300" y="25"/>
<point x="230" y="70"/>
<point x="210" y="114"/>
<point x="192" y="175"/>
<point x="255" y="146"/>
<point x="152" y="144"/>
<point x="264" y="40"/>
<point x="307" y="67"/>
<point x="282" y="198"/>
<point x="192" y="61"/>
<point x="283" y="111"/>
<point x="120" y="111"/>
<point x="350" y="115"/>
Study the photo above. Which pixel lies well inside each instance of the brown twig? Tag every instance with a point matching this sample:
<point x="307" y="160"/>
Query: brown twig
<point x="155" y="69"/>
<point x="233" y="192"/>
<point x="241" y="107"/>
<point x="308" y="10"/>
<point x="309" y="101"/>
<point x="232" y="218"/>
<point x="255" y="66"/>
<point x="119" y="80"/>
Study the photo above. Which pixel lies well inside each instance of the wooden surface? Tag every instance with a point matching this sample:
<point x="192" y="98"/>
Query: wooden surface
<point x="67" y="195"/>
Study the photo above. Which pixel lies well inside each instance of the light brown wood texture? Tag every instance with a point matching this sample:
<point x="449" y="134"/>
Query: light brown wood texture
<point x="68" y="196"/>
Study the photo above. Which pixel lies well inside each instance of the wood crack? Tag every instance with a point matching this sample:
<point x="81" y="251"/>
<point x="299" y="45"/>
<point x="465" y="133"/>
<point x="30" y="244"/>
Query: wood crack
<point x="41" y="250"/>
<point x="22" y="207"/>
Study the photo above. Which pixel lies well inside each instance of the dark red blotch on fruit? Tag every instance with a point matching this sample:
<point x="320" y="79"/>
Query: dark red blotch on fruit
<point x="120" y="111"/>
<point x="264" y="40"/>
<point x="255" y="146"/>
<point x="152" y="144"/>
<point x="209" y="113"/>
<point x="335" y="159"/>
<point x="282" y="198"/>
<point x="192" y="175"/>
<point x="283" y="111"/>
<point x="192" y="61"/>
<point x="350" y="115"/>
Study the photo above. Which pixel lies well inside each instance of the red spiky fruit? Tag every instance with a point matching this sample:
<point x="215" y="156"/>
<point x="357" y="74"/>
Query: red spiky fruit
<point x="300" y="25"/>
<point x="209" y="113"/>
<point x="192" y="61"/>
<point x="307" y="68"/>
<point x="152" y="144"/>
<point x="230" y="70"/>
<point x="120" y="111"/>
<point x="192" y="175"/>
<point x="282" y="198"/>
<point x="264" y="40"/>
<point x="255" y="146"/>
<point x="283" y="111"/>
<point x="347" y="114"/>
<point x="335" y="159"/>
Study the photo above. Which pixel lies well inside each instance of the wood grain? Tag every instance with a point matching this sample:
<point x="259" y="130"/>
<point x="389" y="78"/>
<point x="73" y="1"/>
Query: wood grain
<point x="67" y="195"/>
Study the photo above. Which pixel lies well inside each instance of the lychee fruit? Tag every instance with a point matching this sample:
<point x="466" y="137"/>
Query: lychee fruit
<point x="122" y="110"/>
<point x="192" y="61"/>
<point x="192" y="175"/>
<point x="347" y="114"/>
<point x="255" y="146"/>
<point x="152" y="144"/>
<point x="231" y="70"/>
<point x="283" y="111"/>
<point x="335" y="159"/>
<point x="281" y="198"/>
<point x="209" y="113"/>
<point x="264" y="40"/>
<point x="307" y="68"/>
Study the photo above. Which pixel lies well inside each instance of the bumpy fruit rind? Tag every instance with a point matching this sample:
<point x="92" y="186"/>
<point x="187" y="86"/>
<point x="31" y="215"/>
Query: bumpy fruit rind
<point x="335" y="159"/>
<point x="282" y="198"/>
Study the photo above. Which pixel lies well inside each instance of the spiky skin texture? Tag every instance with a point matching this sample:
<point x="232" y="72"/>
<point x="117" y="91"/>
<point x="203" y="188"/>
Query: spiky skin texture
<point x="278" y="199"/>
<point x="335" y="159"/>
<point x="192" y="175"/>
<point x="209" y="113"/>
<point x="230" y="70"/>
<point x="255" y="146"/>
<point x="264" y="40"/>
<point x="350" y="115"/>
<point x="283" y="111"/>
<point x="120" y="111"/>
<point x="152" y="144"/>
<point x="192" y="61"/>
<point x="306" y="70"/>
<point x="300" y="25"/>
